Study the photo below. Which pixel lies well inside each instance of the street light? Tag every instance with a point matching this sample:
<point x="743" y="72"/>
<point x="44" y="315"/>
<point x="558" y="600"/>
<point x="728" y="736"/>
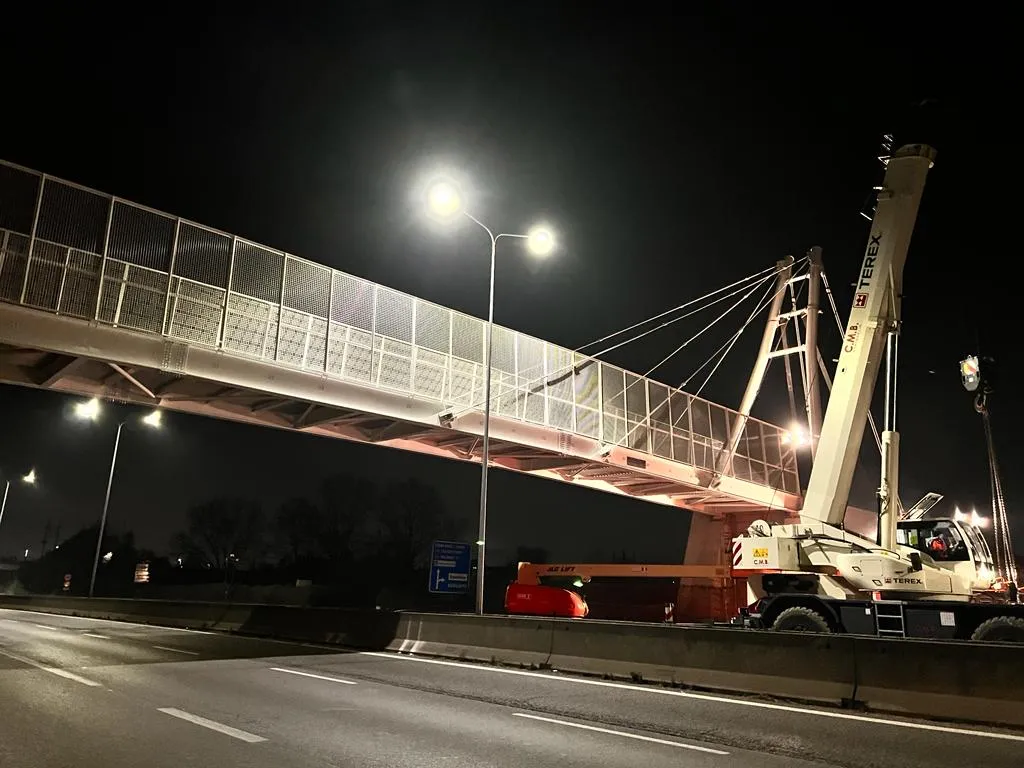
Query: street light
<point x="445" y="202"/>
<point x="29" y="479"/>
<point x="90" y="411"/>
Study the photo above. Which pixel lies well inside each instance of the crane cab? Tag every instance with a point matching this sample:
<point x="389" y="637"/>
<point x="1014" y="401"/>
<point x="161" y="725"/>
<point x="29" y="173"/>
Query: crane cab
<point x="953" y="545"/>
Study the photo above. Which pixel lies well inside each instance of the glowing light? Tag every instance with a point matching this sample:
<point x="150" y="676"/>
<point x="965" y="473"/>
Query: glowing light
<point x="30" y="478"/>
<point x="444" y="199"/>
<point x="153" y="419"/>
<point x="540" y="241"/>
<point x="796" y="436"/>
<point x="90" y="409"/>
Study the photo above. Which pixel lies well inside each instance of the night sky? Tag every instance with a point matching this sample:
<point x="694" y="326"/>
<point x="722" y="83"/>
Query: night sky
<point x="674" y="152"/>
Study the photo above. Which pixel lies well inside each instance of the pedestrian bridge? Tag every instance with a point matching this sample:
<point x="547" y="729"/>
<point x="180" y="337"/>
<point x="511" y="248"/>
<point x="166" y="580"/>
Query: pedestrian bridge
<point x="103" y="297"/>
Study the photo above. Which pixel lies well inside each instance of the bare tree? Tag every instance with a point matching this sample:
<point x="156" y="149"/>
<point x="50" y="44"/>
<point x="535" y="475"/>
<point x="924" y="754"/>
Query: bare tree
<point x="224" y="529"/>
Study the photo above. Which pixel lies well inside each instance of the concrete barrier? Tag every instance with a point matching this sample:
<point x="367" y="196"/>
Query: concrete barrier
<point x="961" y="681"/>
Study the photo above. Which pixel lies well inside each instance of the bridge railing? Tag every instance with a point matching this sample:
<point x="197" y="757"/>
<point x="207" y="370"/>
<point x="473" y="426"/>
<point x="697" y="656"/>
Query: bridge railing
<point x="73" y="251"/>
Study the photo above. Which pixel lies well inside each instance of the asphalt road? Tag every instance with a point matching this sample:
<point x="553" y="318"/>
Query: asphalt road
<point x="83" y="693"/>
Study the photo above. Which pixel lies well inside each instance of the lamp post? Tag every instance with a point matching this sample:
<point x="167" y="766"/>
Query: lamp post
<point x="90" y="411"/>
<point x="29" y="479"/>
<point x="444" y="201"/>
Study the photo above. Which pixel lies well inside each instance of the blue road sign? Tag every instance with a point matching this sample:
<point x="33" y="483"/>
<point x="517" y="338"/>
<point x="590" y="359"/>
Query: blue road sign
<point x="449" y="567"/>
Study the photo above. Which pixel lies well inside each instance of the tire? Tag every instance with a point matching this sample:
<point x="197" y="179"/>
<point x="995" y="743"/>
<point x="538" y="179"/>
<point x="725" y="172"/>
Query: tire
<point x="800" y="619"/>
<point x="1000" y="629"/>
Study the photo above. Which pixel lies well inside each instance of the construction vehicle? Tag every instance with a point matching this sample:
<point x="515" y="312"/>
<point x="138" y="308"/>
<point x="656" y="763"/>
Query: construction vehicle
<point x="921" y="577"/>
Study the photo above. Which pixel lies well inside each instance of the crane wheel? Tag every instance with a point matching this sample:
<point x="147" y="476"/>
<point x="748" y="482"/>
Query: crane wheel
<point x="800" y="619"/>
<point x="1000" y="629"/>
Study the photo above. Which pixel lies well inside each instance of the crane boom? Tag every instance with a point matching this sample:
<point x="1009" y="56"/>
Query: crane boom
<point x="875" y="312"/>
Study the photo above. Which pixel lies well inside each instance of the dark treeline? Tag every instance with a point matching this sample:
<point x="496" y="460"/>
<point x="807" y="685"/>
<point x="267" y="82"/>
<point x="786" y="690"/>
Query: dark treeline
<point x="350" y="534"/>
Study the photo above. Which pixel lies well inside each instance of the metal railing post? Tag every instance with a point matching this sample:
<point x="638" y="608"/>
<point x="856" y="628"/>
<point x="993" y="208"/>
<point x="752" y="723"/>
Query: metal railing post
<point x="32" y="238"/>
<point x="222" y="331"/>
<point x="165" y="327"/>
<point x="103" y="259"/>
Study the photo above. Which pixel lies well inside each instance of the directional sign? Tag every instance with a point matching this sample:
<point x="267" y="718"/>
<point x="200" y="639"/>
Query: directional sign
<point x="449" y="567"/>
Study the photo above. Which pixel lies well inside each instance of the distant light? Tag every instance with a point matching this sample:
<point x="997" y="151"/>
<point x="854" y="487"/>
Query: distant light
<point x="444" y="199"/>
<point x="153" y="419"/>
<point x="89" y="409"/>
<point x="480" y="543"/>
<point x="796" y="436"/>
<point x="108" y="557"/>
<point x="540" y="241"/>
<point x="30" y="478"/>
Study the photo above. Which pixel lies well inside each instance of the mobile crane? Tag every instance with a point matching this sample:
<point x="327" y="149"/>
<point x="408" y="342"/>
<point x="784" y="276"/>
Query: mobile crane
<point x="925" y="578"/>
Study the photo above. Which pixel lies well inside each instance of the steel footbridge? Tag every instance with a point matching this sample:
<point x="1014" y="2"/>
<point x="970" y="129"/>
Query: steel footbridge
<point x="103" y="297"/>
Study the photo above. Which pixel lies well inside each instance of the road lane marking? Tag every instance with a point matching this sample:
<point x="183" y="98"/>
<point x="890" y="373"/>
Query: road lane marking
<point x="310" y="674"/>
<point x="251" y="738"/>
<point x="118" y="622"/>
<point x="45" y="626"/>
<point x="708" y="697"/>
<point x="93" y="634"/>
<point x="52" y="670"/>
<point x="176" y="650"/>
<point x="624" y="734"/>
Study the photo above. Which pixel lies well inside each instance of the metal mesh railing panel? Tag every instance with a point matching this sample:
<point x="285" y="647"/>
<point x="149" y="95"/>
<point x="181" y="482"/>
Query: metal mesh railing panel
<point x="353" y="301"/>
<point x="466" y="386"/>
<point x="467" y="337"/>
<point x="430" y="374"/>
<point x="195" y="312"/>
<point x="433" y="327"/>
<point x="558" y="381"/>
<point x="72" y="216"/>
<point x="392" y="362"/>
<point x="203" y="256"/>
<point x="18" y="191"/>
<point x="45" y="274"/>
<point x="250" y="326"/>
<point x="13" y="262"/>
<point x="133" y="297"/>
<point x="307" y="287"/>
<point x="141" y="237"/>
<point x="394" y="315"/>
<point x="587" y="397"/>
<point x="81" y="284"/>
<point x="257" y="271"/>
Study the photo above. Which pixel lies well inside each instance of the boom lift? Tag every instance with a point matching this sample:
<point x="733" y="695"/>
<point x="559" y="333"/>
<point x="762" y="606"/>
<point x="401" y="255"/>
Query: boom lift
<point x="814" y="575"/>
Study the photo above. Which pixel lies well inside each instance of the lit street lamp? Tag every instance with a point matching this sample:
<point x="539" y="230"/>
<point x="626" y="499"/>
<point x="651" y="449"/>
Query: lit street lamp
<point x="29" y="479"/>
<point x="90" y="411"/>
<point x="444" y="202"/>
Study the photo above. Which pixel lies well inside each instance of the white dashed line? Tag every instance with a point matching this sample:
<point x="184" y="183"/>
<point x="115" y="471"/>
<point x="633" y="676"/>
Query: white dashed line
<point x="93" y="634"/>
<point x="623" y="734"/>
<point x="52" y="670"/>
<point x="310" y="674"/>
<point x="176" y="650"/>
<point x="212" y="725"/>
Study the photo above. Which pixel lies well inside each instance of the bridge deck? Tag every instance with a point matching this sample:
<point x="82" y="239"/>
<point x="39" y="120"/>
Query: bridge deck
<point x="101" y="296"/>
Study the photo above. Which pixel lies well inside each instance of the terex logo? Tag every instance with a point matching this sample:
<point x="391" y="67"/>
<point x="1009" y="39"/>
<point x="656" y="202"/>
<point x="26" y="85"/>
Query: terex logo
<point x="901" y="580"/>
<point x="867" y="270"/>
